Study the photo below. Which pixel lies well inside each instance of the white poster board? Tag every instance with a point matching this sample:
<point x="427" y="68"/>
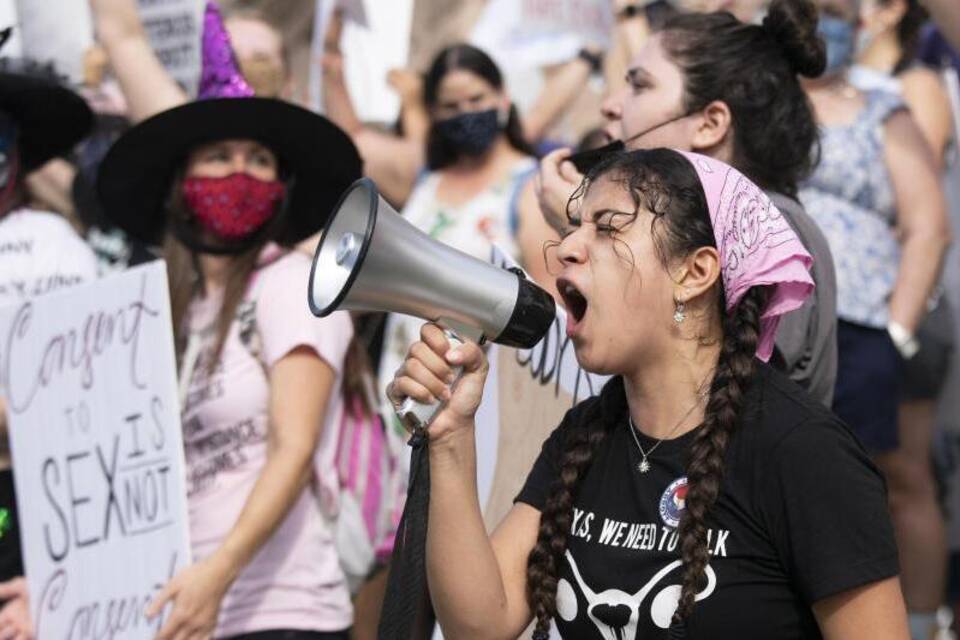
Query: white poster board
<point x="90" y="386"/>
<point x="174" y="28"/>
<point x="535" y="33"/>
<point x="375" y="39"/>
<point x="13" y="47"/>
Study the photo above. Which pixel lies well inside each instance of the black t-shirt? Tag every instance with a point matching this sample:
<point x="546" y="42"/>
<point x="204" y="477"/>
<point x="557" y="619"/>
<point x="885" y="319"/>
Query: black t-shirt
<point x="801" y="515"/>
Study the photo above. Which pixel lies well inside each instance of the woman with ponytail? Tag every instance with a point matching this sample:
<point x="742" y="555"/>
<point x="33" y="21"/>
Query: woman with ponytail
<point x="712" y="84"/>
<point x="701" y="494"/>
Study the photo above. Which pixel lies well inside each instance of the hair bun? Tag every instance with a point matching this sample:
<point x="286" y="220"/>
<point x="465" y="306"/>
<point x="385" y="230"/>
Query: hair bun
<point x="793" y="25"/>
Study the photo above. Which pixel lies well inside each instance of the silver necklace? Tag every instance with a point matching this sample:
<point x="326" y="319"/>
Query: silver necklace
<point x="644" y="465"/>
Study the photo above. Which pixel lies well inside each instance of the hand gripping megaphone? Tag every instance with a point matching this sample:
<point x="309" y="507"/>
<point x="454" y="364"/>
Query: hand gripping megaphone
<point x="370" y="259"/>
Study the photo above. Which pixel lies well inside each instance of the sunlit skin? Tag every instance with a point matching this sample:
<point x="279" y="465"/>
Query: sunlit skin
<point x="255" y="39"/>
<point x="463" y="91"/>
<point x="611" y="259"/>
<point x="225" y="157"/>
<point x="653" y="94"/>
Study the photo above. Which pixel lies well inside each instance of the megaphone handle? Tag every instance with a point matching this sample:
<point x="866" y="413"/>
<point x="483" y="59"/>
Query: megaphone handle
<point x="417" y="415"/>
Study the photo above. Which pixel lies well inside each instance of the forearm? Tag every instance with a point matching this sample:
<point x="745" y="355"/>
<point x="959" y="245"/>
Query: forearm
<point x="466" y="585"/>
<point x="633" y="33"/>
<point x="392" y="162"/>
<point x="337" y="105"/>
<point x="921" y="256"/>
<point x="146" y="85"/>
<point x="281" y="481"/>
<point x="415" y="120"/>
<point x="562" y="87"/>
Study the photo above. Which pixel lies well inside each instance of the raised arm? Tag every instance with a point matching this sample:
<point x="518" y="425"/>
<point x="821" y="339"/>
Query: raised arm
<point x="630" y="32"/>
<point x="337" y="105"/>
<point x="393" y="162"/>
<point x="564" y="83"/>
<point x="930" y="106"/>
<point x="922" y="219"/>
<point x="147" y="86"/>
<point x="477" y="582"/>
<point x="534" y="238"/>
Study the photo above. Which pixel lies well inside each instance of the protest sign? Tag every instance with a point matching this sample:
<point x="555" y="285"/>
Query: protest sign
<point x="537" y="33"/>
<point x="375" y="39"/>
<point x="90" y="387"/>
<point x="61" y="36"/>
<point x="174" y="28"/>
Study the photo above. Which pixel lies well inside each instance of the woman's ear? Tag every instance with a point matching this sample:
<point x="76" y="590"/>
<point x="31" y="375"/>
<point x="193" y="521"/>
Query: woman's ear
<point x="503" y="110"/>
<point x="716" y="122"/>
<point x="696" y="274"/>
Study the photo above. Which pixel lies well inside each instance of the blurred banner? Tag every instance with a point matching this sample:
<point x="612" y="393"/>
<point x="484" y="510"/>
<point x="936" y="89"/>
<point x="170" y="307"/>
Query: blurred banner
<point x="375" y="39"/>
<point x="538" y="33"/>
<point x="58" y="31"/>
<point x="94" y="420"/>
<point x="174" y="28"/>
<point x="61" y="32"/>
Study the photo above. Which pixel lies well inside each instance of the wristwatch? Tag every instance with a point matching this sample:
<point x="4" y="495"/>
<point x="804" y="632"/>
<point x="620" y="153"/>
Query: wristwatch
<point x="905" y="342"/>
<point x="632" y="11"/>
<point x="593" y="58"/>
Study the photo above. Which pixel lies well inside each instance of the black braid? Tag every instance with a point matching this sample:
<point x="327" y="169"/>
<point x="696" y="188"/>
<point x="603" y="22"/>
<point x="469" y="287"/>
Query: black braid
<point x="735" y="370"/>
<point x="581" y="444"/>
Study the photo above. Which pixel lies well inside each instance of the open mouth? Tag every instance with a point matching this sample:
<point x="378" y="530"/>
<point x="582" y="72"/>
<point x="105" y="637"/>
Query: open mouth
<point x="573" y="300"/>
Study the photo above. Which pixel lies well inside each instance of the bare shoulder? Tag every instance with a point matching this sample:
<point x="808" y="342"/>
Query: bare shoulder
<point x="922" y="81"/>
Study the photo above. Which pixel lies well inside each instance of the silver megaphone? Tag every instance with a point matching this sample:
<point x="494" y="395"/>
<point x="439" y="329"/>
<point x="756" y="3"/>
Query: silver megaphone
<point x="370" y="259"/>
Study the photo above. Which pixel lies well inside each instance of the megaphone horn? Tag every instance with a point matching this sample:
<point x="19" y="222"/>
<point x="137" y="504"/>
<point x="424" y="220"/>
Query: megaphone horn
<point x="370" y="259"/>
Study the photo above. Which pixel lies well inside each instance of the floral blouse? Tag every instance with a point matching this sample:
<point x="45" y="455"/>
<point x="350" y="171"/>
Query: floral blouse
<point x="851" y="197"/>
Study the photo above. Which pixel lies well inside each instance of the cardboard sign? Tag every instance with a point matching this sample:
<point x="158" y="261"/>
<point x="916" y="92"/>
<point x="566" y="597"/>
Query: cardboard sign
<point x="89" y="380"/>
<point x="174" y="28"/>
<point x="537" y="33"/>
<point x="375" y="39"/>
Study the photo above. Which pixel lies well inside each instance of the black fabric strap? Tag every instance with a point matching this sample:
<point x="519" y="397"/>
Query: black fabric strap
<point x="407" y="579"/>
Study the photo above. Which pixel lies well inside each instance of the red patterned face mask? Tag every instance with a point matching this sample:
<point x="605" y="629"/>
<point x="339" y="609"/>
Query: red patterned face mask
<point x="235" y="206"/>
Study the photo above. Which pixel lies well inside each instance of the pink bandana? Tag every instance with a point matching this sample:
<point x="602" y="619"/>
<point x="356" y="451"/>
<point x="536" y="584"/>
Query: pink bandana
<point x="757" y="245"/>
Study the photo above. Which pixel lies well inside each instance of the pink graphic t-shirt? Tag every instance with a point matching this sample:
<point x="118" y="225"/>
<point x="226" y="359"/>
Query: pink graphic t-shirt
<point x="295" y="580"/>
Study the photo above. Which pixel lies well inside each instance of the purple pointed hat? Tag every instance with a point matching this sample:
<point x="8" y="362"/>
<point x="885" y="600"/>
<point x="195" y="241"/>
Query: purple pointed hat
<point x="220" y="75"/>
<point x="318" y="160"/>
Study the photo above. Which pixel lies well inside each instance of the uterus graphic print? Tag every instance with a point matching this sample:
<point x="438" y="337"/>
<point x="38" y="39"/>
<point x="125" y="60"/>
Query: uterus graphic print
<point x="615" y="613"/>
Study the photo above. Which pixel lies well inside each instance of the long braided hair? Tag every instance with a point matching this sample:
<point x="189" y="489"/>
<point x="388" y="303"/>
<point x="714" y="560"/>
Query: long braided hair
<point x="665" y="183"/>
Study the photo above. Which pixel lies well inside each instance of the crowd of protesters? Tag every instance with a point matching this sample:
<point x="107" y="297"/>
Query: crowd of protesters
<point x="832" y="464"/>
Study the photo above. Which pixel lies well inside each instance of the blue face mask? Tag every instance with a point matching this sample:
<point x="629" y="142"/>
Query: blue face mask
<point x="840" y="38"/>
<point x="472" y="133"/>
